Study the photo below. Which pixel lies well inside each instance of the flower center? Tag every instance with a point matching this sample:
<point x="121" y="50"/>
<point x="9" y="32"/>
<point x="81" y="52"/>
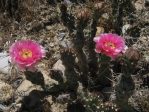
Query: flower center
<point x="26" y="53"/>
<point x="110" y="44"/>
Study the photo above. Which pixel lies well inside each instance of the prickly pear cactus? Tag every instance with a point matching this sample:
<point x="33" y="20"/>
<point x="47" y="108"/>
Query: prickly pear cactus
<point x="125" y="86"/>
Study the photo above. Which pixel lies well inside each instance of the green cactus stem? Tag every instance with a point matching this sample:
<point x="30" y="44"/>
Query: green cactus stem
<point x="91" y="54"/>
<point x="68" y="60"/>
<point x="77" y="37"/>
<point x="125" y="87"/>
<point x="67" y="19"/>
<point x="119" y="9"/>
<point x="104" y="76"/>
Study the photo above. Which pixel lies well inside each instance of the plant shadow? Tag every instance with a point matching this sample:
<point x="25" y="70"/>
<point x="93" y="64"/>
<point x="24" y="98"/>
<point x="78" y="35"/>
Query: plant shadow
<point x="35" y="77"/>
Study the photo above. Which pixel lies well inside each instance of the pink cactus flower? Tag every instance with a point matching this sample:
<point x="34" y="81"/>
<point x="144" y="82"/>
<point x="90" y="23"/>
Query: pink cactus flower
<point x="26" y="53"/>
<point x="110" y="44"/>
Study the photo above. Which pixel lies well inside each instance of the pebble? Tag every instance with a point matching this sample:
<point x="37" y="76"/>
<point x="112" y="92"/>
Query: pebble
<point x="16" y="83"/>
<point x="4" y="63"/>
<point x="6" y="91"/>
<point x="61" y="36"/>
<point x="51" y="44"/>
<point x="48" y="28"/>
<point x="125" y="28"/>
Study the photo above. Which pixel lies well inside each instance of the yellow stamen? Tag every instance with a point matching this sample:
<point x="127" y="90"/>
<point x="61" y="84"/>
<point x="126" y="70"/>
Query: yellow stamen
<point x="110" y="44"/>
<point x="26" y="53"/>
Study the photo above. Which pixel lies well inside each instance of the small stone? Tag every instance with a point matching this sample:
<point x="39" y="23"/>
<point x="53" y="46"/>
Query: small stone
<point x="139" y="4"/>
<point x="48" y="80"/>
<point x="51" y="44"/>
<point x="59" y="66"/>
<point x="16" y="83"/>
<point x="125" y="28"/>
<point x="4" y="63"/>
<point x="146" y="58"/>
<point x="68" y="2"/>
<point x="61" y="36"/>
<point x="99" y="31"/>
<point x="6" y="91"/>
<point x="48" y="28"/>
<point x="105" y="16"/>
<point x="25" y="86"/>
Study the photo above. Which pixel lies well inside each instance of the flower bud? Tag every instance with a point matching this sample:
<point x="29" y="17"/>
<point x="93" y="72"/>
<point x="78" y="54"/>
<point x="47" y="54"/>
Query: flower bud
<point x="63" y="7"/>
<point x="132" y="54"/>
<point x="83" y="14"/>
<point x="98" y="5"/>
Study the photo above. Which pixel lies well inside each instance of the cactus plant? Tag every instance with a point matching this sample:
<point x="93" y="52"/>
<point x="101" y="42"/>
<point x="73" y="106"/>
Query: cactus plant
<point x="71" y="77"/>
<point x="83" y="75"/>
<point x="125" y="87"/>
<point x="82" y="30"/>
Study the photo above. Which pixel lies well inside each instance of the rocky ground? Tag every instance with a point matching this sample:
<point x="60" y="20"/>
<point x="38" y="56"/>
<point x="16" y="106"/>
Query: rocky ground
<point x="41" y="21"/>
